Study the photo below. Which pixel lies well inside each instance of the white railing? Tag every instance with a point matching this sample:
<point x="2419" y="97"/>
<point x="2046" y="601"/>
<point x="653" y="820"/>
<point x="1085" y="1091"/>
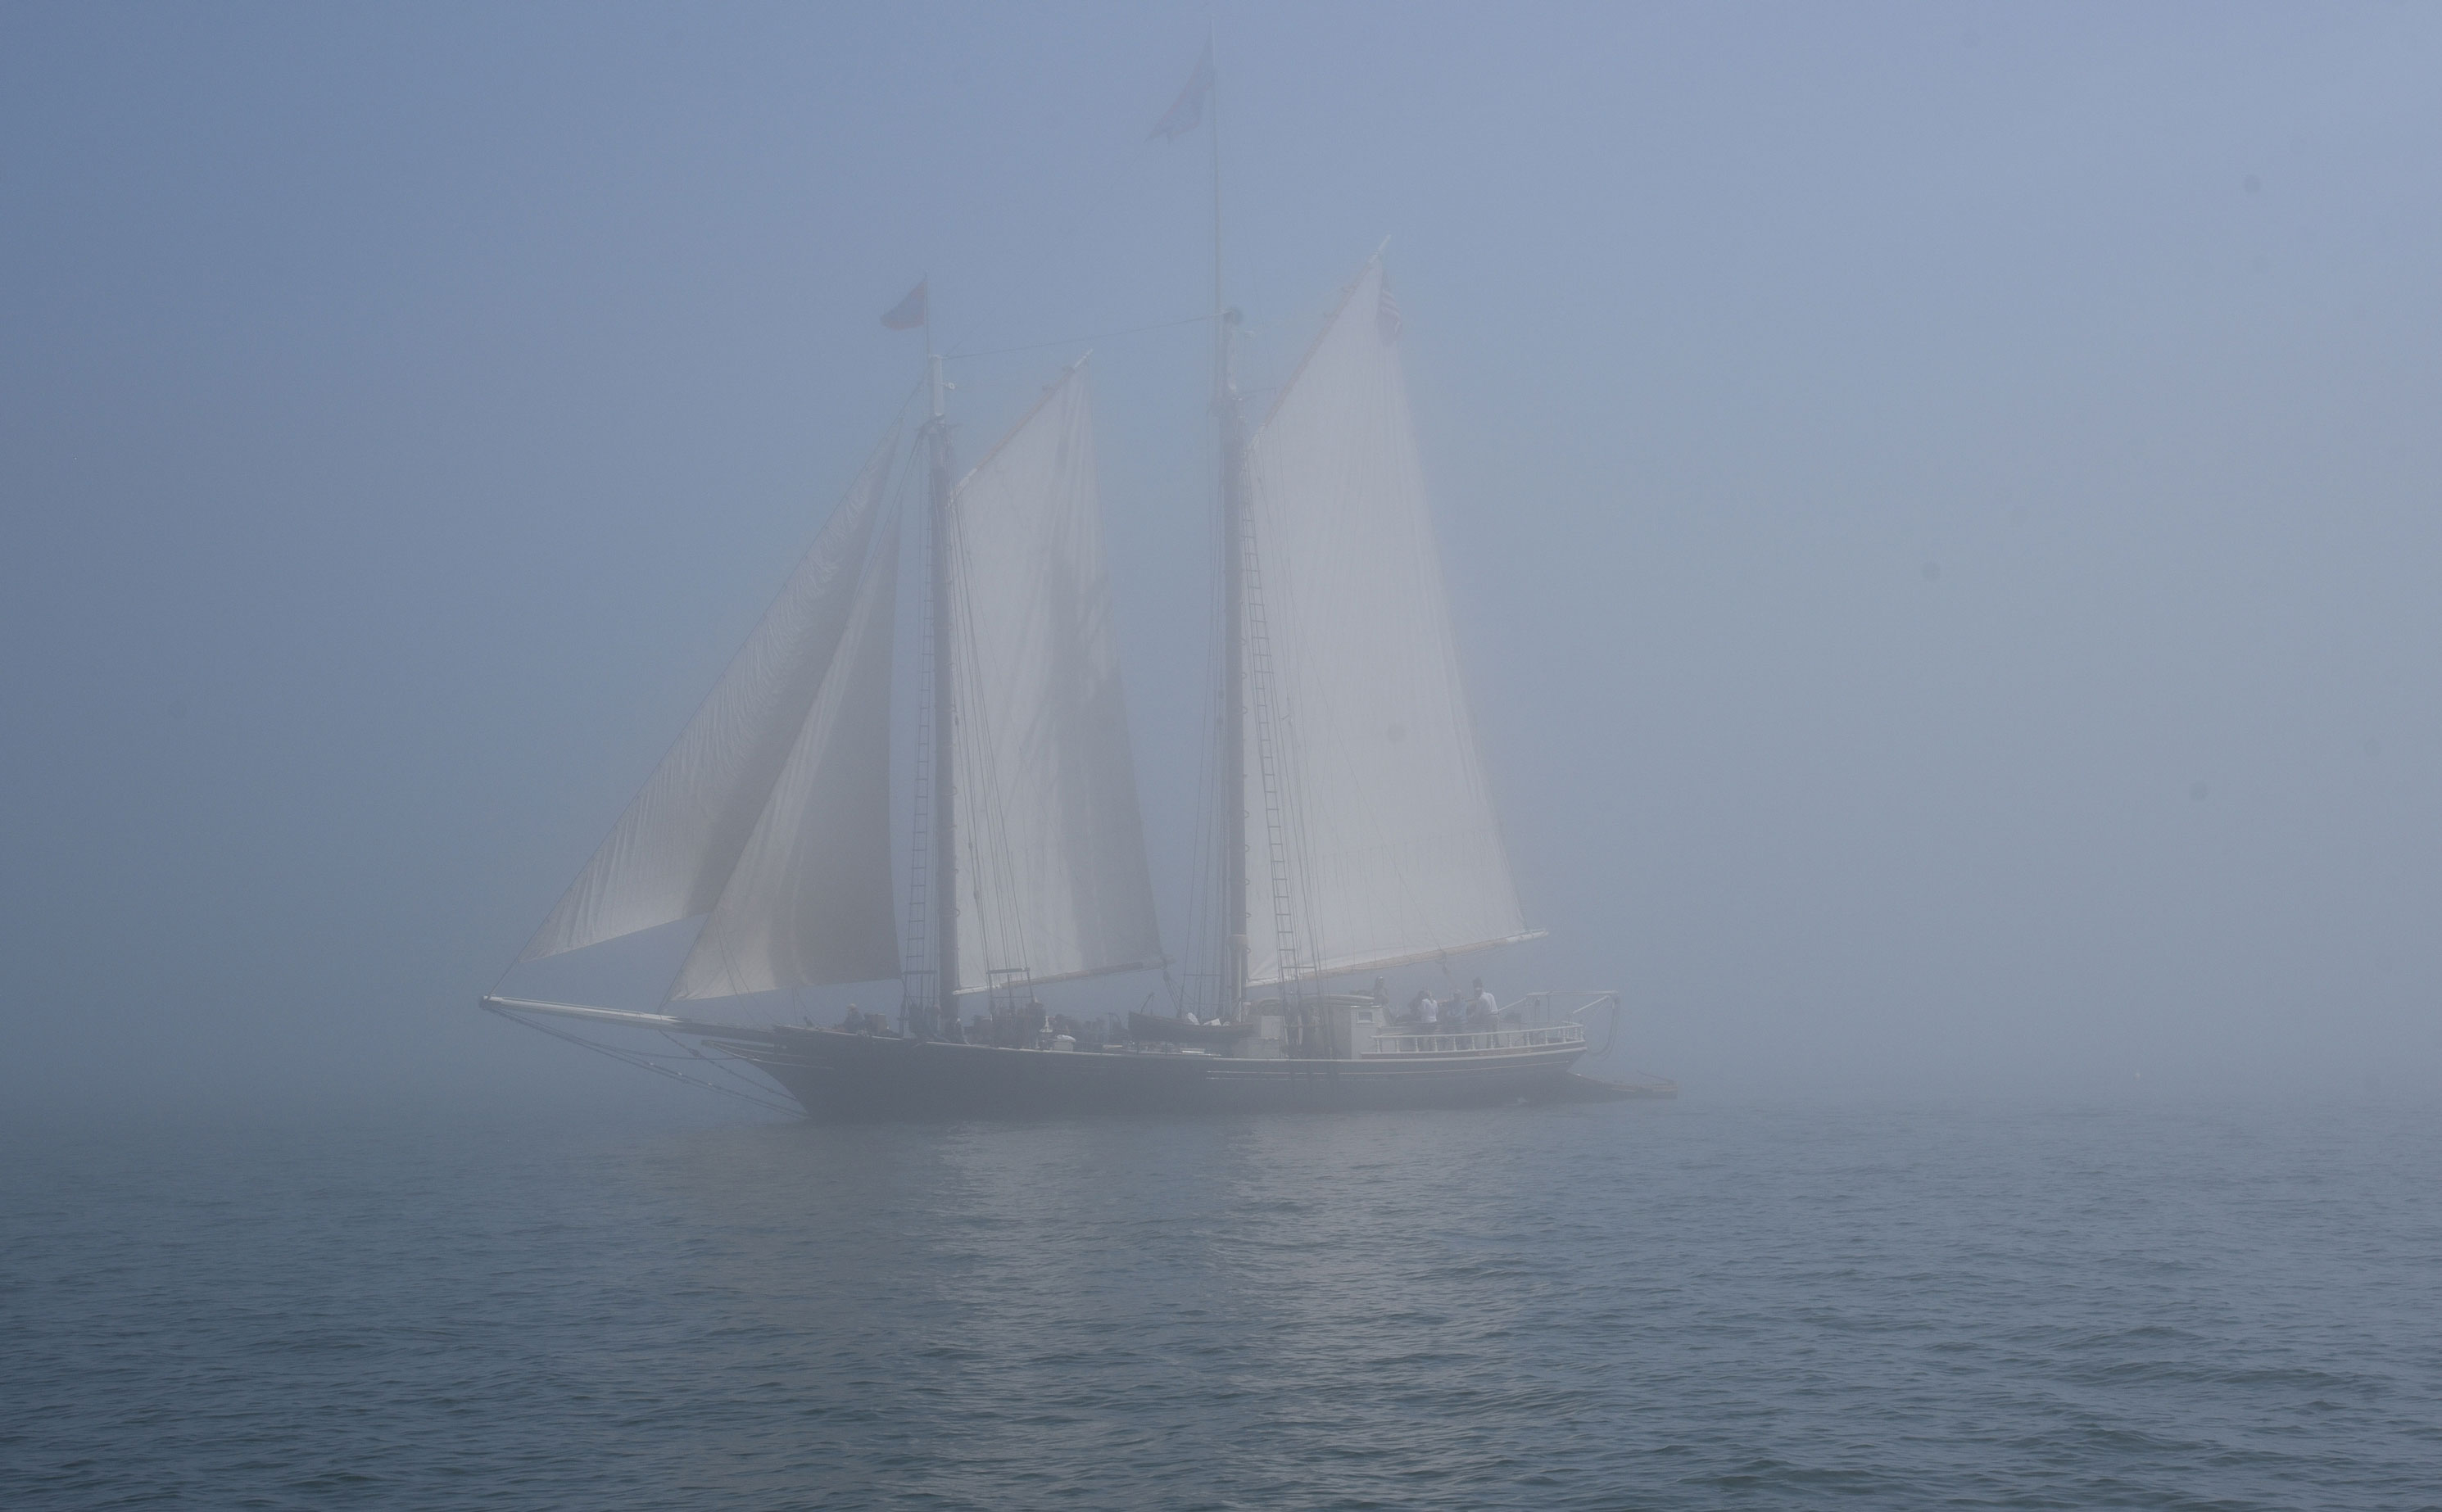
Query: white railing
<point x="1505" y="1039"/>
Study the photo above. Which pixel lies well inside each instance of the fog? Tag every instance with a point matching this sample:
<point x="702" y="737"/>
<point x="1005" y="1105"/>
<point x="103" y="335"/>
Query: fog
<point x="1941" y="500"/>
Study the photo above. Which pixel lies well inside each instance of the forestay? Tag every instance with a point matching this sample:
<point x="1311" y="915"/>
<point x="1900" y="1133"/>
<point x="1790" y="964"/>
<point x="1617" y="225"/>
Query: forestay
<point x="672" y="851"/>
<point x="809" y="901"/>
<point x="1051" y="869"/>
<point x="1374" y="841"/>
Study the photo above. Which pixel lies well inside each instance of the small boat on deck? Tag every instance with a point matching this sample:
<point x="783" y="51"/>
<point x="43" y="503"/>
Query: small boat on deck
<point x="1166" y="1028"/>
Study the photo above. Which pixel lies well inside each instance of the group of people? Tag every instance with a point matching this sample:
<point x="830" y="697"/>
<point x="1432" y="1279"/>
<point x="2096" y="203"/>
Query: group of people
<point x="1473" y="1011"/>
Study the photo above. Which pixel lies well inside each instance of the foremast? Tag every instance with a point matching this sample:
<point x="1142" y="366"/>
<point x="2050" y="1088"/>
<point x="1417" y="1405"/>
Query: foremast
<point x="927" y="1020"/>
<point x="1230" y="428"/>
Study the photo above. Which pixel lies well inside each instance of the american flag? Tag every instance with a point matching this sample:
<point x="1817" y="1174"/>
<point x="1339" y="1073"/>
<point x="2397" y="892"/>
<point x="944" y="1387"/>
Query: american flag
<point x="1187" y="112"/>
<point x="1386" y="315"/>
<point x="913" y="311"/>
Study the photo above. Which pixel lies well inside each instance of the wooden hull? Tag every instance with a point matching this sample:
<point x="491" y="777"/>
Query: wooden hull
<point x="838" y="1077"/>
<point x="1155" y="1029"/>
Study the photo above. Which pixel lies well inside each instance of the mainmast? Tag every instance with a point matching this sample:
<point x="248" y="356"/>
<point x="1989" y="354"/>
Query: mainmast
<point x="1230" y="425"/>
<point x="943" y="1010"/>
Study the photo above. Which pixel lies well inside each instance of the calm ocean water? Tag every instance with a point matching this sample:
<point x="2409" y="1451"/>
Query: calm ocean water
<point x="1671" y="1306"/>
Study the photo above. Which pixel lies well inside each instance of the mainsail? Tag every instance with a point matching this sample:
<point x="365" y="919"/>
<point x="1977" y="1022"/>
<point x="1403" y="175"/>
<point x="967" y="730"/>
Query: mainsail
<point x="1371" y="835"/>
<point x="809" y="901"/>
<point x="1051" y="869"/>
<point x="672" y="852"/>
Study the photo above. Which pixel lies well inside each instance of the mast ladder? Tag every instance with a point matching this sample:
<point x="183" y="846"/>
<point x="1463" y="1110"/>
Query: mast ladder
<point x="1259" y="669"/>
<point x="918" y="981"/>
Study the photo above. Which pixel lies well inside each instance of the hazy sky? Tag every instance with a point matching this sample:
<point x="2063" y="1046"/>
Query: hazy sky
<point x="1946" y="502"/>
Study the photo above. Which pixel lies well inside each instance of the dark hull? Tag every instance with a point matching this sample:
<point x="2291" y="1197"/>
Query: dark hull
<point x="1155" y="1028"/>
<point x="839" y="1076"/>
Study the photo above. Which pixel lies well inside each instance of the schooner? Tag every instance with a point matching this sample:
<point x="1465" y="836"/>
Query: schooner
<point x="1355" y="831"/>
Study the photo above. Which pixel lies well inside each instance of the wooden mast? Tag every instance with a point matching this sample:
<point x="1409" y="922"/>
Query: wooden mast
<point x="1229" y="424"/>
<point x="943" y="1010"/>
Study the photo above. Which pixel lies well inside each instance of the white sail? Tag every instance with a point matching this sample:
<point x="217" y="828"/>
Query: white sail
<point x="1370" y="837"/>
<point x="1052" y="880"/>
<point x="809" y="901"/>
<point x="672" y="851"/>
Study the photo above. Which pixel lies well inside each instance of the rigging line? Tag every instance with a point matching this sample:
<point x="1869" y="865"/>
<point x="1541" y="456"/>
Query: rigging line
<point x="993" y="844"/>
<point x="1205" y="881"/>
<point x="718" y="1063"/>
<point x="919" y="794"/>
<point x="1282" y="789"/>
<point x="896" y="486"/>
<point x="630" y="1058"/>
<point x="1618" y="1007"/>
<point x="889" y="447"/>
<point x="1104" y="336"/>
<point x="1288" y="778"/>
<point x="922" y="885"/>
<point x="998" y="904"/>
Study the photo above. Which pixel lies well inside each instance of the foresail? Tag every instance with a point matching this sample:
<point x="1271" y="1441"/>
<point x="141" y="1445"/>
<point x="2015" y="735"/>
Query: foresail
<point x="809" y="901"/>
<point x="1370" y="834"/>
<point x="672" y="851"/>
<point x="1051" y="881"/>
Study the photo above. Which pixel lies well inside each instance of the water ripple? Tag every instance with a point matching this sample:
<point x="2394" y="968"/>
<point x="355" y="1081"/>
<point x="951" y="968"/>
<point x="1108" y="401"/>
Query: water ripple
<point x="1677" y="1306"/>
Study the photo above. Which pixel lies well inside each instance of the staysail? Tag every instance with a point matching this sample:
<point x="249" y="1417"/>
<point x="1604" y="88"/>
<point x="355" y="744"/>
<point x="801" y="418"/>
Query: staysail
<point x="810" y="903"/>
<point x="1371" y="835"/>
<point x="1051" y="878"/>
<point x="671" y="853"/>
